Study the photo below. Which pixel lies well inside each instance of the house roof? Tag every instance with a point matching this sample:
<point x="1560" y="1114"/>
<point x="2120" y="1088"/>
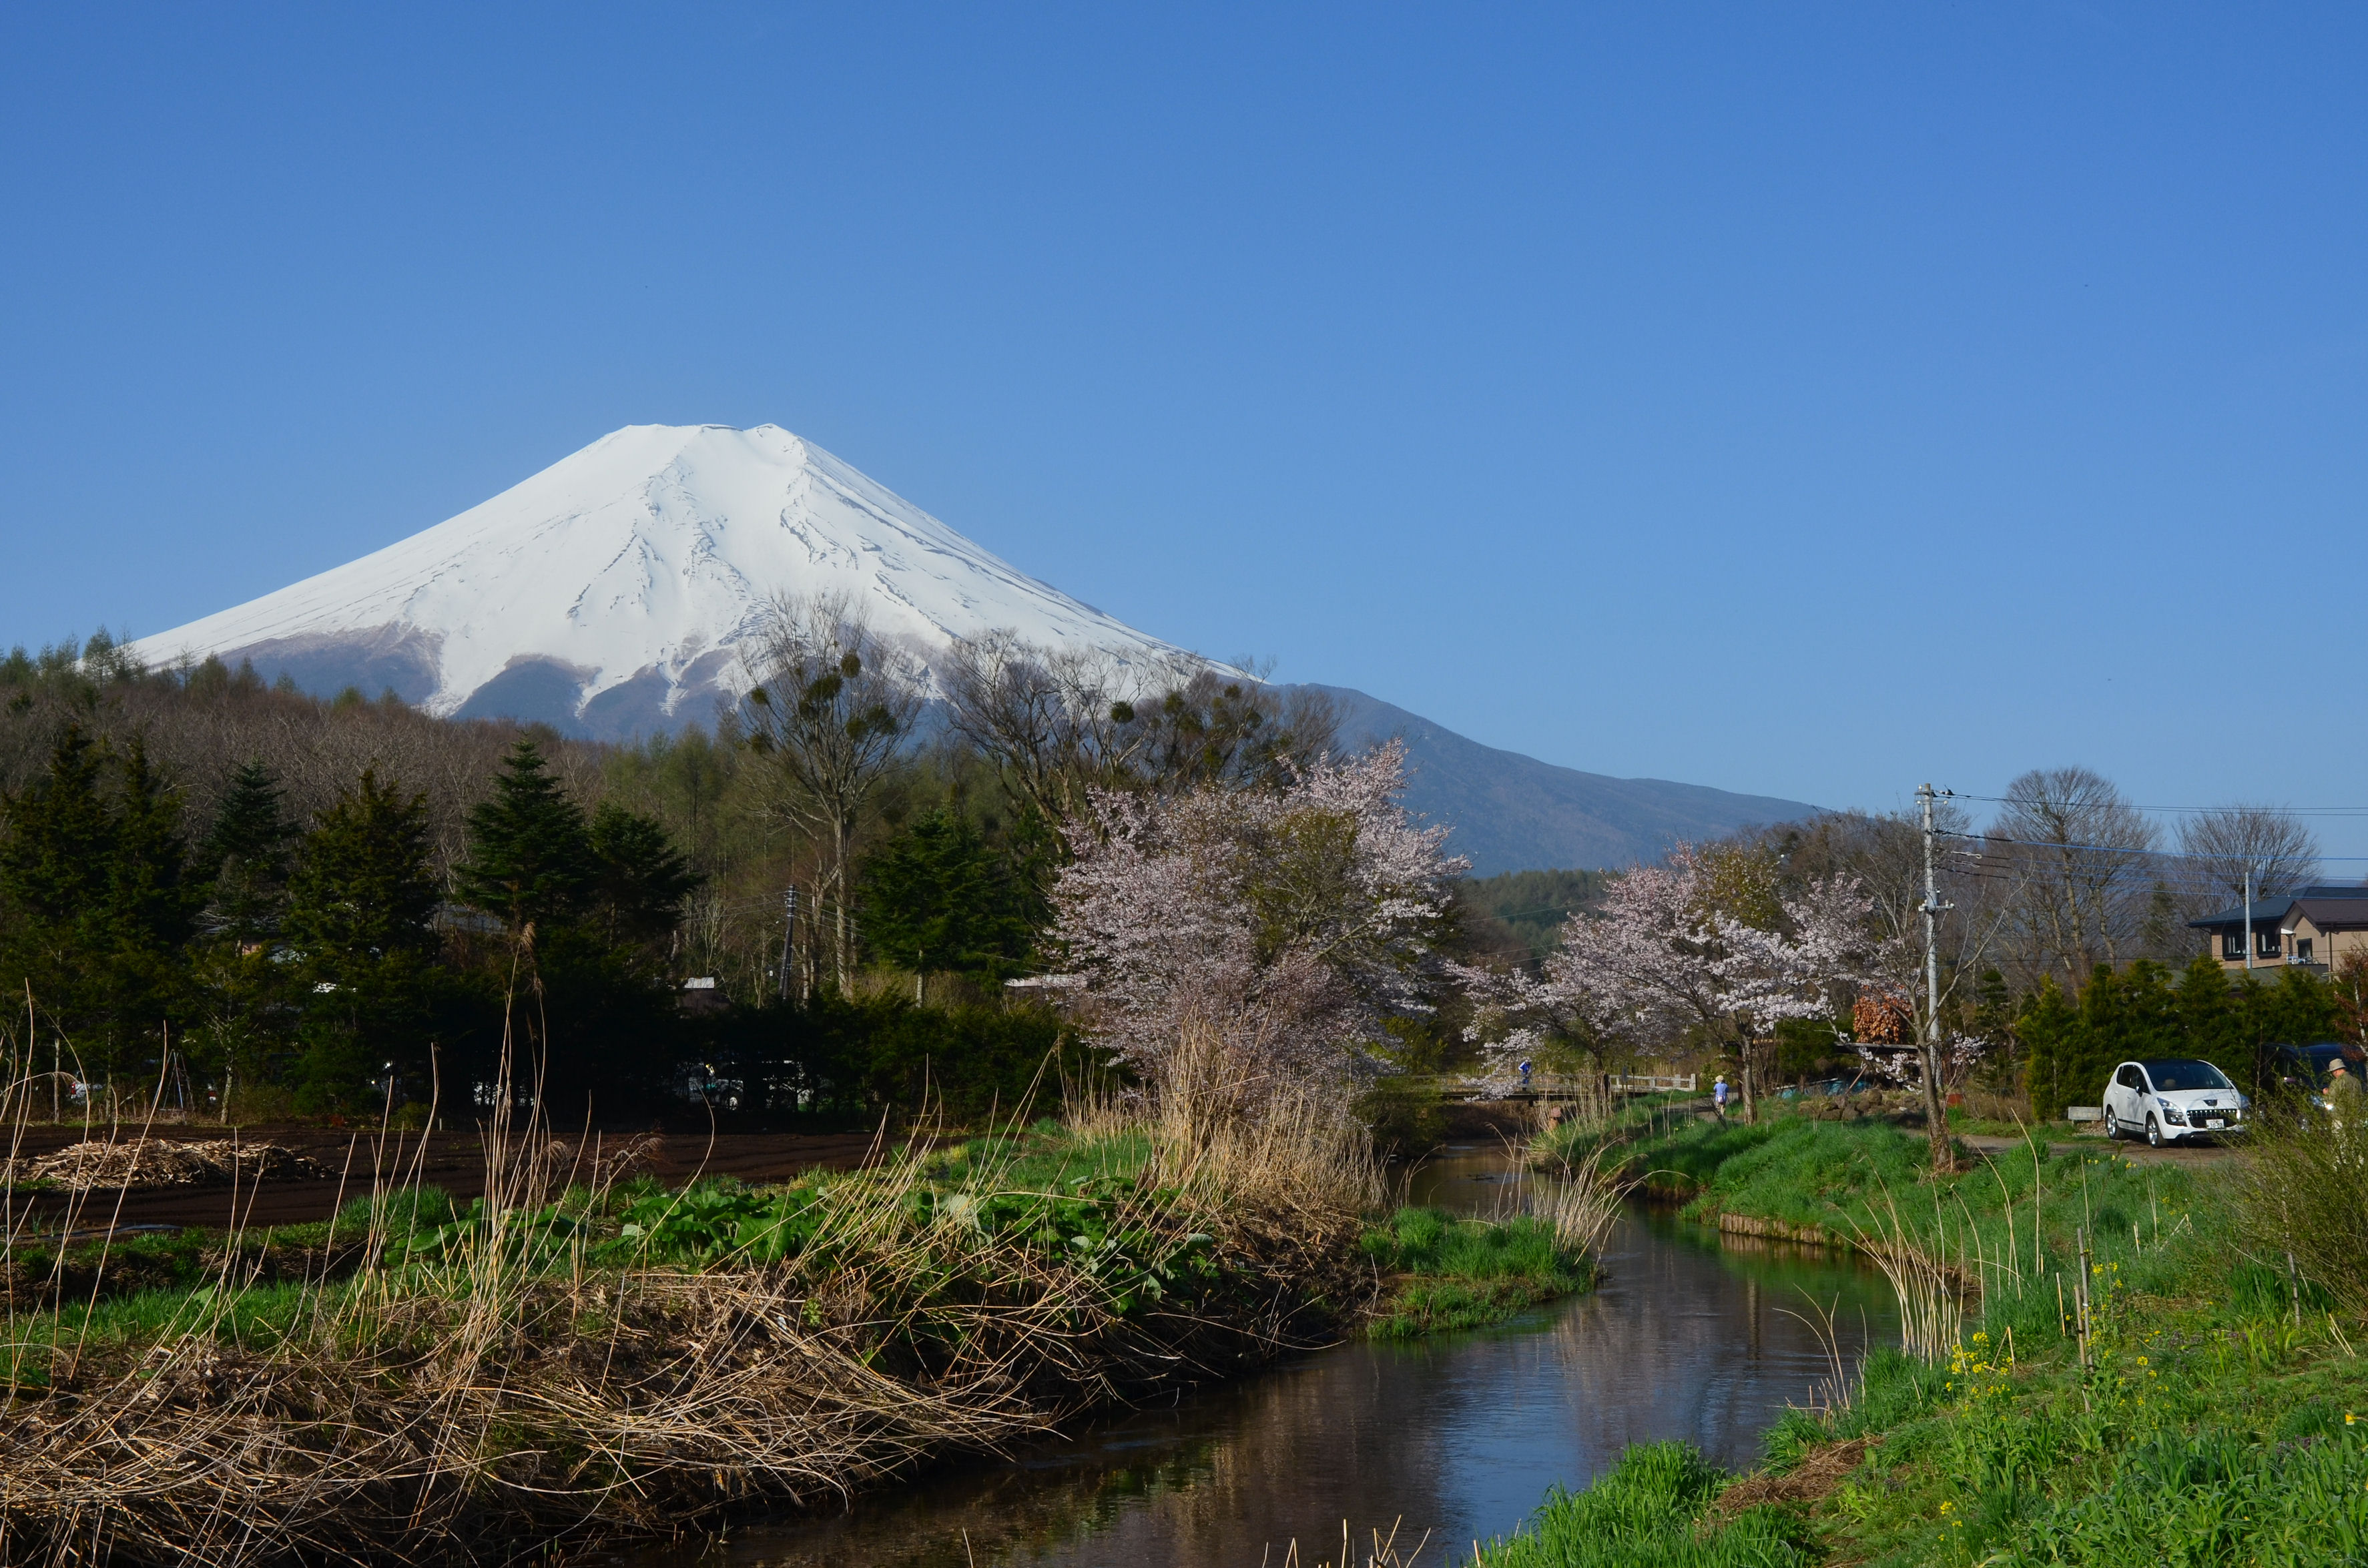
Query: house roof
<point x="2329" y="908"/>
<point x="2334" y="914"/>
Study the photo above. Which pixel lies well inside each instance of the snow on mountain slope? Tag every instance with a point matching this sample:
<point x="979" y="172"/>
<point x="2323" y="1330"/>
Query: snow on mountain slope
<point x="610" y="596"/>
<point x="620" y="584"/>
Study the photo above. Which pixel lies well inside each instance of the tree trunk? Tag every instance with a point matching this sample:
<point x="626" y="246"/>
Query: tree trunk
<point x="1936" y="1115"/>
<point x="1750" y="1087"/>
<point x="838" y="897"/>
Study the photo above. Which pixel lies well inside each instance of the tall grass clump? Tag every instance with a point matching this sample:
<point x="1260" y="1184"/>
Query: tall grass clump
<point x="1464" y="1273"/>
<point x="1583" y="1198"/>
<point x="1237" y="1131"/>
<point x="2304" y="1191"/>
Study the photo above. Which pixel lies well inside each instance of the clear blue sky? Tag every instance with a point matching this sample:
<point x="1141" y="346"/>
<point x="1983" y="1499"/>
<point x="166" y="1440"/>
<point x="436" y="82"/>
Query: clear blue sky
<point x="1805" y="399"/>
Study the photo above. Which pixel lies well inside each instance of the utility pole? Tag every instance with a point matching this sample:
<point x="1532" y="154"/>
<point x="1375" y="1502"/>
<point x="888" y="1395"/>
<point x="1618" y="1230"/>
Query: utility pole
<point x="2248" y="918"/>
<point x="1936" y="1120"/>
<point x="788" y="925"/>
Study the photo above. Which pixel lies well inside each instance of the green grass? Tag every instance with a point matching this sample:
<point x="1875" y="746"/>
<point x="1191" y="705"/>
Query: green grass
<point x="2207" y="1428"/>
<point x="1466" y="1273"/>
<point x="1856" y="1179"/>
<point x="1647" y="1513"/>
<point x="2221" y="1418"/>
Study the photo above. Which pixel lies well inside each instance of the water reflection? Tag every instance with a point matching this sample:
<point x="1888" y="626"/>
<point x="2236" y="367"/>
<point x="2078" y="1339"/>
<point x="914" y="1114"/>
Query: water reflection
<point x="1457" y="1438"/>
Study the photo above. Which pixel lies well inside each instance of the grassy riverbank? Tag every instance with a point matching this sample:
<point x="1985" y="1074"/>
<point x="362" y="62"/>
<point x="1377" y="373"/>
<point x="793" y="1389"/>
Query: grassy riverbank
<point x="586" y="1352"/>
<point x="2212" y="1413"/>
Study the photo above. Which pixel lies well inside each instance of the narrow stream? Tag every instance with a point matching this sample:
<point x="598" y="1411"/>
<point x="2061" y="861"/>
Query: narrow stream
<point x="1455" y="1437"/>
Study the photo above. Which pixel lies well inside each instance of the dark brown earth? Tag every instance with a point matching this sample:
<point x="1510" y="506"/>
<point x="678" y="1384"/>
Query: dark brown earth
<point x="453" y="1161"/>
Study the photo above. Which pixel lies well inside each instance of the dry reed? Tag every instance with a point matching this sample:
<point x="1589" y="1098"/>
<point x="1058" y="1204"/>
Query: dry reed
<point x="1929" y="1290"/>
<point x="493" y="1391"/>
<point x="1583" y="1200"/>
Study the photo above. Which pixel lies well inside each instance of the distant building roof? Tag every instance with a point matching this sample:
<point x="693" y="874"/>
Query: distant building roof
<point x="2330" y="907"/>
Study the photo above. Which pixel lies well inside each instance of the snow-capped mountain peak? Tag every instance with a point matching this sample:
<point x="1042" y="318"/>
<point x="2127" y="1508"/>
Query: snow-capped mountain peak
<point x="623" y="581"/>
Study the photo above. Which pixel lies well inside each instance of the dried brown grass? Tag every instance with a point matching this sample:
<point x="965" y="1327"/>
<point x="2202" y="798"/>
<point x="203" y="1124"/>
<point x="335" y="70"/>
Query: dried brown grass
<point x="1228" y="1130"/>
<point x="493" y="1397"/>
<point x="1820" y="1472"/>
<point x="1583" y="1199"/>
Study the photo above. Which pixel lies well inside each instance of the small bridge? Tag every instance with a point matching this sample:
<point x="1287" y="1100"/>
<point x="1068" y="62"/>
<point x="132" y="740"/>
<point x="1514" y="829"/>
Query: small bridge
<point x="1542" y="1091"/>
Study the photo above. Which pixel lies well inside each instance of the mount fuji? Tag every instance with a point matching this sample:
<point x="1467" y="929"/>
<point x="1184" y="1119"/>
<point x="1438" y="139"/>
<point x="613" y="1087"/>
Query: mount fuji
<point x="611" y="595"/>
<point x="611" y="592"/>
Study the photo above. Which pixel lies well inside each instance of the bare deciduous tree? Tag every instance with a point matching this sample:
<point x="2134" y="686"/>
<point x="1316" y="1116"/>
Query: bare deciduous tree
<point x="833" y="704"/>
<point x="1059" y="723"/>
<point x="2226" y="845"/>
<point x="1062" y="724"/>
<point x="2083" y="869"/>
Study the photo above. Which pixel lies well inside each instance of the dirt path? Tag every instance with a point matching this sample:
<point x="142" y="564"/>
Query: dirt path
<point x="2135" y="1150"/>
<point x="453" y="1161"/>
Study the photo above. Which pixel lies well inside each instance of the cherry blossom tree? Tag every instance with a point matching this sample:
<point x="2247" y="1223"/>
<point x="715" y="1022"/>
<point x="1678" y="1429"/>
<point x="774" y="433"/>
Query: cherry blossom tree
<point x="1661" y="956"/>
<point x="1897" y="1040"/>
<point x="1285" y="924"/>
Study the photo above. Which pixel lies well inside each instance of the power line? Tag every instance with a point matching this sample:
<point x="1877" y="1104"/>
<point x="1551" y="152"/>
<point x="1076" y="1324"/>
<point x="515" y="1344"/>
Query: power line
<point x="2173" y="811"/>
<point x="2114" y="849"/>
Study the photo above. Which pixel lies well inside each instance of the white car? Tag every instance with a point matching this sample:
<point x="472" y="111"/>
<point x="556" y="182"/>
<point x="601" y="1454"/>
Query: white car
<point x="2170" y="1099"/>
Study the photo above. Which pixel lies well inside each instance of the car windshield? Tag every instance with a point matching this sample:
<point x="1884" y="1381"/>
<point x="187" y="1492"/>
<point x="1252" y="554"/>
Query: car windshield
<point x="2182" y="1074"/>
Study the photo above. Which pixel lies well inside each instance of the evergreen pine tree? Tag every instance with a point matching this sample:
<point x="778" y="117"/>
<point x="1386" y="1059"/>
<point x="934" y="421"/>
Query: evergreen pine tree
<point x="244" y="858"/>
<point x="151" y="902"/>
<point x="61" y="841"/>
<point x="359" y="907"/>
<point x="641" y="880"/>
<point x="2049" y="1029"/>
<point x="55" y="859"/>
<point x="2211" y="1018"/>
<point x="937" y="897"/>
<point x="530" y="856"/>
<point x="151" y="912"/>
<point x="244" y="996"/>
<point x="99" y="903"/>
<point x="362" y="889"/>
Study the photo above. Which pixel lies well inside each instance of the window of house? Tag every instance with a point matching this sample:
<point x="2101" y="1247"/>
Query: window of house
<point x="2232" y="944"/>
<point x="2303" y="946"/>
<point x="2266" y="943"/>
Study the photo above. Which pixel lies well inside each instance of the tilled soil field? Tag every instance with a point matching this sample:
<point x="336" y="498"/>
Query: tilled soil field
<point x="363" y="1161"/>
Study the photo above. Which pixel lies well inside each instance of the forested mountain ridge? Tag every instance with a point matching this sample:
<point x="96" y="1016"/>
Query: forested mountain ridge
<point x="1512" y="812"/>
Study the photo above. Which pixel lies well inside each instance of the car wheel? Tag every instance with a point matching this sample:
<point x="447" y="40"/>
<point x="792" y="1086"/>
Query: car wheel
<point x="2113" y="1126"/>
<point x="2154" y="1130"/>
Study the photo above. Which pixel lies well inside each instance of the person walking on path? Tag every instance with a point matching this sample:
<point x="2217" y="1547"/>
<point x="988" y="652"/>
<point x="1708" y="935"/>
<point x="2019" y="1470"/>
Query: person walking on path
<point x="1718" y="1097"/>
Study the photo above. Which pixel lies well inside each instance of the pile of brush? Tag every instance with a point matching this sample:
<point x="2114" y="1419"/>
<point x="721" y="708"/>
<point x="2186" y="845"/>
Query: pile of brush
<point x="160" y="1161"/>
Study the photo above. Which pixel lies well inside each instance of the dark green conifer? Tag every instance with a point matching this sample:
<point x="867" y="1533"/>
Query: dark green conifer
<point x="530" y="856"/>
<point x="244" y="858"/>
<point x="99" y="907"/>
<point x="937" y="897"/>
<point x="361" y="907"/>
<point x="641" y="881"/>
<point x="362" y="887"/>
